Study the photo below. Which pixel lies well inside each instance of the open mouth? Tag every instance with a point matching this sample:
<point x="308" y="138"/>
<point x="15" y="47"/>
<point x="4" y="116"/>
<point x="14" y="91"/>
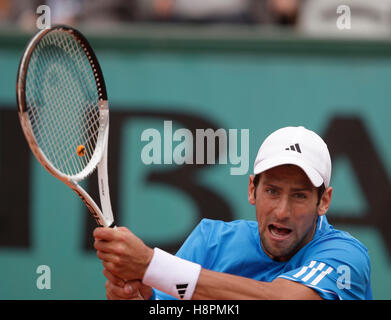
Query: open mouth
<point x="279" y="232"/>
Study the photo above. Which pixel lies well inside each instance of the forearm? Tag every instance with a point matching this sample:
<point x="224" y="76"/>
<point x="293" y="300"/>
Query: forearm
<point x="222" y="286"/>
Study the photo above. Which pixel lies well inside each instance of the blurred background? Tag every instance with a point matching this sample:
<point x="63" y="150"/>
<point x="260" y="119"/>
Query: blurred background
<point x="232" y="64"/>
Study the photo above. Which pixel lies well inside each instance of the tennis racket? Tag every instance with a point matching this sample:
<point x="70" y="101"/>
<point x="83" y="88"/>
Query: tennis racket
<point x="64" y="114"/>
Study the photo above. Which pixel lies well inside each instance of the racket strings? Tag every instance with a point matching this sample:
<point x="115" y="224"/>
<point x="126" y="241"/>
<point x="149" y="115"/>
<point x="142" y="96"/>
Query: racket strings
<point x="75" y="94"/>
<point x="44" y="131"/>
<point x="78" y="94"/>
<point x="50" y="115"/>
<point x="62" y="99"/>
<point x="62" y="164"/>
<point x="49" y="131"/>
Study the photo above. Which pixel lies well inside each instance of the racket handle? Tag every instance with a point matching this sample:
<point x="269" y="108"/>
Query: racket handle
<point x="112" y="226"/>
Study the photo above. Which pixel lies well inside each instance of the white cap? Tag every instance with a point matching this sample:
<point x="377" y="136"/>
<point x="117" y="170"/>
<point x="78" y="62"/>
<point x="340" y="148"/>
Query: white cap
<point x="298" y="146"/>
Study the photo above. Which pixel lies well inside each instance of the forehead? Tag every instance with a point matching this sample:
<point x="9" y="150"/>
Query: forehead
<point x="287" y="175"/>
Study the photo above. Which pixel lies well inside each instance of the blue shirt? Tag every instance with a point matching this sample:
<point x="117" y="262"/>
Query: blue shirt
<point x="334" y="264"/>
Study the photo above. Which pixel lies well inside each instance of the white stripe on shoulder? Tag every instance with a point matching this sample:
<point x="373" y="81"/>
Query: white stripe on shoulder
<point x="304" y="269"/>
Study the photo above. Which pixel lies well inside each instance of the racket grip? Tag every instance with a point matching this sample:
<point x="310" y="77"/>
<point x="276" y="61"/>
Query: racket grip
<point x="112" y="225"/>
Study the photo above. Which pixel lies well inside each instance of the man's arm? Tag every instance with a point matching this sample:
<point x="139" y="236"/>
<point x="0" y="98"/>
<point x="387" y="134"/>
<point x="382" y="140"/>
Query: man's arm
<point x="127" y="257"/>
<point x="223" y="286"/>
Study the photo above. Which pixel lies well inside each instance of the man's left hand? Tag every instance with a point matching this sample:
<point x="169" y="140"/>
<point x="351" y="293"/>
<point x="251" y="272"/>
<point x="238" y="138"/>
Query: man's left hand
<point x="122" y="253"/>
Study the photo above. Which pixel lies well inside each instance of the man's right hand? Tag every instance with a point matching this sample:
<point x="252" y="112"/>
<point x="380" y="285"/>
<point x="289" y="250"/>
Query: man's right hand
<point x="118" y="289"/>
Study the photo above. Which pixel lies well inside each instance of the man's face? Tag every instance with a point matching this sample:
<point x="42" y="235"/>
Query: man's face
<point x="286" y="209"/>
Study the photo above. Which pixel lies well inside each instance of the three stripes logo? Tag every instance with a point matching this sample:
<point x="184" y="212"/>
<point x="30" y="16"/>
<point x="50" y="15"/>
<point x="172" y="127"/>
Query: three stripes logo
<point x="294" y="147"/>
<point x="181" y="288"/>
<point x="312" y="272"/>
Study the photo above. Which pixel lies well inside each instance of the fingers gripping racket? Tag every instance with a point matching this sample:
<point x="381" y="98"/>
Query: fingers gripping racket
<point x="63" y="110"/>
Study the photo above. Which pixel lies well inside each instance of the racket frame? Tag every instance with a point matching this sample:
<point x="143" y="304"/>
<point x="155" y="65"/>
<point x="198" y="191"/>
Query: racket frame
<point x="99" y="157"/>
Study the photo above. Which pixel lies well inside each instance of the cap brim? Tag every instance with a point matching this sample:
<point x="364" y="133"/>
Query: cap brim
<point x="311" y="173"/>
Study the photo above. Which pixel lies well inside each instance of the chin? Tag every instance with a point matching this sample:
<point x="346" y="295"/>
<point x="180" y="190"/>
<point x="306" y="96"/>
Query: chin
<point x="278" y="253"/>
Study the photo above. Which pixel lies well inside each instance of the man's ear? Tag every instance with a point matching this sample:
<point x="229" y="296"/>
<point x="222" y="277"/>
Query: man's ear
<point x="251" y="190"/>
<point x="325" y="201"/>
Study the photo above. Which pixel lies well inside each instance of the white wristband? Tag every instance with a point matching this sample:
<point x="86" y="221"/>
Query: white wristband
<point x="172" y="275"/>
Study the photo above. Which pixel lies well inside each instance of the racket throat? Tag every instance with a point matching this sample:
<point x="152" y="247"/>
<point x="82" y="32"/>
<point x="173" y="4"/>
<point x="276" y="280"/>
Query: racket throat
<point x="100" y="219"/>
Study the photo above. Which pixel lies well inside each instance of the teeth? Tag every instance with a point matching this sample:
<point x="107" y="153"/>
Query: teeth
<point x="279" y="231"/>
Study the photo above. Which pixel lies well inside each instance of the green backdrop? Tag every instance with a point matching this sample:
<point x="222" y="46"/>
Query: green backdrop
<point x="244" y="80"/>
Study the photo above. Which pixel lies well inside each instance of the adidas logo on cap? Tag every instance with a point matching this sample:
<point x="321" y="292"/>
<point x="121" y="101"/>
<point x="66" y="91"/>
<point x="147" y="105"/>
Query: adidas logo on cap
<point x="294" y="147"/>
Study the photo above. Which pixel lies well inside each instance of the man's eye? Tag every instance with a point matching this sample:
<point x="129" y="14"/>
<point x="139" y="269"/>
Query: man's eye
<point x="300" y="195"/>
<point x="271" y="191"/>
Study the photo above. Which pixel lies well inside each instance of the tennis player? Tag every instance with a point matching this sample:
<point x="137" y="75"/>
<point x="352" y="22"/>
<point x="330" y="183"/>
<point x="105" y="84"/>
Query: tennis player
<point x="291" y="252"/>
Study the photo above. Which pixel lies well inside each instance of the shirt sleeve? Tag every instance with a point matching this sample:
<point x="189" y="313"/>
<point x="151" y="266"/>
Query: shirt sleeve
<point x="190" y="250"/>
<point x="335" y="269"/>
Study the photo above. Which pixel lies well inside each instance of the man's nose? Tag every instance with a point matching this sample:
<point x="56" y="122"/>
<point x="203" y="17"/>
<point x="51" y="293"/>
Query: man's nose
<point x="283" y="208"/>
